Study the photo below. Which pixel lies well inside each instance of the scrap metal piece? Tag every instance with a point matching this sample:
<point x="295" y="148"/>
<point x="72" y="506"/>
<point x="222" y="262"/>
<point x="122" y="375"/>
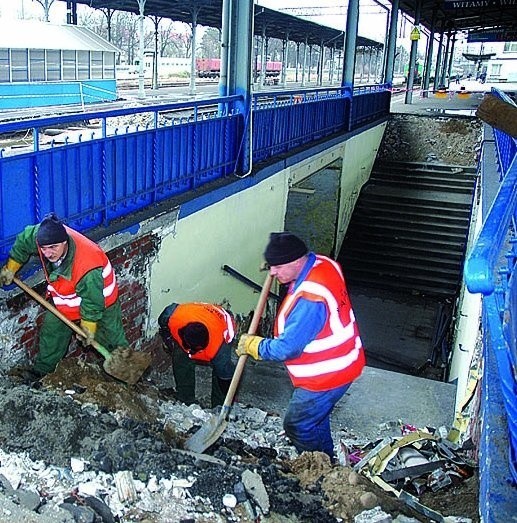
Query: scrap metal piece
<point x="412" y="472"/>
<point x="438" y="480"/>
<point x="413" y="502"/>
<point x="369" y="455"/>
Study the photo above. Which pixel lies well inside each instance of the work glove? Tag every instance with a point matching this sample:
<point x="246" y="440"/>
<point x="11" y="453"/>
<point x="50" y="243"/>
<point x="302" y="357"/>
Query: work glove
<point x="89" y="328"/>
<point x="249" y="344"/>
<point x="8" y="272"/>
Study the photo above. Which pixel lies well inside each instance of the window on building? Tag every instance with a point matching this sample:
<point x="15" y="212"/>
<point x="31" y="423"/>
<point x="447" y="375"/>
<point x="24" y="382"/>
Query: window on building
<point x="19" y="65"/>
<point x="37" y="65"/>
<point x="109" y="65"/>
<point x="69" y="65"/>
<point x="53" y="65"/>
<point x="4" y="65"/>
<point x="510" y="47"/>
<point x="96" y="64"/>
<point x="496" y="70"/>
<point x="83" y="65"/>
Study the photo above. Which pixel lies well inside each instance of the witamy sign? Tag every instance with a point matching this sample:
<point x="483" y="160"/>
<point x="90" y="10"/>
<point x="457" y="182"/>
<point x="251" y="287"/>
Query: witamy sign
<point x="463" y="4"/>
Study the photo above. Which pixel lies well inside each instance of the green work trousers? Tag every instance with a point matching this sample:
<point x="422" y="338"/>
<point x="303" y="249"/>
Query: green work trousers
<point x="55" y="337"/>
<point x="184" y="370"/>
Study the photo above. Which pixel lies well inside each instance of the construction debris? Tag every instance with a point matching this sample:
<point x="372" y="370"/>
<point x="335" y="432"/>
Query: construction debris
<point x="79" y="457"/>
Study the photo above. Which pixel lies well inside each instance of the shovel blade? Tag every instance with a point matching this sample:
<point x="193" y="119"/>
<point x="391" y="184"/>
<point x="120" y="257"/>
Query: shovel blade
<point x="127" y="365"/>
<point x="207" y="435"/>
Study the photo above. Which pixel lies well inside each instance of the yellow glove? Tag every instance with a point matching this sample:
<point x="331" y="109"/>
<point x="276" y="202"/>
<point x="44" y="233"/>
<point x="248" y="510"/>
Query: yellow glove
<point x="249" y="344"/>
<point x="89" y="328"/>
<point x="8" y="271"/>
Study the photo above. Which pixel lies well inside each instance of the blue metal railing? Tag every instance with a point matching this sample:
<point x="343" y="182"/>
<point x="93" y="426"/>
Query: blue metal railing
<point x="491" y="270"/>
<point x="283" y="121"/>
<point x="371" y="102"/>
<point x="113" y="172"/>
<point x="108" y="173"/>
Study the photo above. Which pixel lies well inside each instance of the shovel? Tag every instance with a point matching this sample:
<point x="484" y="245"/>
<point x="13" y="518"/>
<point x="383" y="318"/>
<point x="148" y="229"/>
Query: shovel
<point x="209" y="433"/>
<point x="123" y="363"/>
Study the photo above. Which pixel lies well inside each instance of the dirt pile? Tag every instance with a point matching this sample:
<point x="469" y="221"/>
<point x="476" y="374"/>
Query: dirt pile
<point x="88" y="448"/>
<point x="411" y="138"/>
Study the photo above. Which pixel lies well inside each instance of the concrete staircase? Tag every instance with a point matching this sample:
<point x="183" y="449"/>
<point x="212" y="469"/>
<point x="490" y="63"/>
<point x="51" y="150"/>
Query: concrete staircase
<point x="409" y="229"/>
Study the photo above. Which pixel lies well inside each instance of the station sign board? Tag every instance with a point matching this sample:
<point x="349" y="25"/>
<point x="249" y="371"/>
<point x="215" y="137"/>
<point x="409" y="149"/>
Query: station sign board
<point x="478" y="4"/>
<point x="498" y="34"/>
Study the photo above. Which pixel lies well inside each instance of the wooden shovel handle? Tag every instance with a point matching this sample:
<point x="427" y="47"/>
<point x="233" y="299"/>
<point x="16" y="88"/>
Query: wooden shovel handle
<point x="31" y="292"/>
<point x="257" y="314"/>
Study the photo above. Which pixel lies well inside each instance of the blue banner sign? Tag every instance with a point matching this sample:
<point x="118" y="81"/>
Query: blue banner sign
<point x="493" y="35"/>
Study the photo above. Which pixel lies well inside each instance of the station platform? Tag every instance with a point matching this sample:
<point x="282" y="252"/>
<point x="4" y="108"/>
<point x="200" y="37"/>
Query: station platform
<point x="459" y="99"/>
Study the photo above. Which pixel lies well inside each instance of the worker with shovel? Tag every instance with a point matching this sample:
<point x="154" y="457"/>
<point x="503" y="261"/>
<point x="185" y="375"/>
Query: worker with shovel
<point x="82" y="285"/>
<point x="198" y="333"/>
<point x="315" y="335"/>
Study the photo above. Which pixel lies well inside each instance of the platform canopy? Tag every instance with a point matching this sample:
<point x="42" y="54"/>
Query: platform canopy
<point x="277" y="25"/>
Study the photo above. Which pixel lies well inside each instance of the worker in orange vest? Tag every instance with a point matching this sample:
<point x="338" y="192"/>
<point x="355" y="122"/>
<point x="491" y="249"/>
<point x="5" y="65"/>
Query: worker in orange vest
<point x="199" y="333"/>
<point x="81" y="284"/>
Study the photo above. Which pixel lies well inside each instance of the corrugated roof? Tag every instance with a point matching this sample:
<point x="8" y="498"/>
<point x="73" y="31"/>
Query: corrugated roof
<point x="277" y="24"/>
<point x="32" y="34"/>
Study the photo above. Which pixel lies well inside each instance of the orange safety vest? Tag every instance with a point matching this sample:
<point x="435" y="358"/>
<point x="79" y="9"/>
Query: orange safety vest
<point x="220" y="325"/>
<point x="88" y="256"/>
<point x="336" y="356"/>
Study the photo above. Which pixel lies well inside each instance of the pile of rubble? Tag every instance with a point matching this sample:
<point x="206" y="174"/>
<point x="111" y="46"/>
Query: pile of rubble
<point x="81" y="447"/>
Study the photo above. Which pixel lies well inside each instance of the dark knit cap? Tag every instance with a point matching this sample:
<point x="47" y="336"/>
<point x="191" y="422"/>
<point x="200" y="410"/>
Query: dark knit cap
<point x="194" y="336"/>
<point x="51" y="230"/>
<point x="284" y="247"/>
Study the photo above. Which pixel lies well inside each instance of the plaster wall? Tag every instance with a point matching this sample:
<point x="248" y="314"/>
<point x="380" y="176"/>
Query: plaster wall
<point x="235" y="231"/>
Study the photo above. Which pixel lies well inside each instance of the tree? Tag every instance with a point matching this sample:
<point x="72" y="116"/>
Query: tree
<point x="211" y="43"/>
<point x="46" y="4"/>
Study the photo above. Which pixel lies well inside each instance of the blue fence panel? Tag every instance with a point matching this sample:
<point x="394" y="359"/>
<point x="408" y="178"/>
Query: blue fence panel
<point x="370" y="103"/>
<point x="284" y="121"/>
<point x="484" y="273"/>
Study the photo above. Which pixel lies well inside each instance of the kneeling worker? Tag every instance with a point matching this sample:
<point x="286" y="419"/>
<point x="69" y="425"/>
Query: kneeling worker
<point x="199" y="333"/>
<point x="81" y="283"/>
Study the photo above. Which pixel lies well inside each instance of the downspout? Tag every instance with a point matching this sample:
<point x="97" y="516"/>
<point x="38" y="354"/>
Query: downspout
<point x="192" y="89"/>
<point x="141" y="6"/>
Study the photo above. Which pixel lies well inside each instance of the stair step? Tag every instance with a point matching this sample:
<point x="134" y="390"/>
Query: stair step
<point x="444" y="271"/>
<point x="416" y="215"/>
<point x="403" y="255"/>
<point x="401" y="287"/>
<point x="400" y="281"/>
<point x="425" y="185"/>
<point x="407" y="174"/>
<point x="428" y="167"/>
<point x="425" y="198"/>
<point x="388" y="245"/>
<point x="373" y="201"/>
<point x="395" y="227"/>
